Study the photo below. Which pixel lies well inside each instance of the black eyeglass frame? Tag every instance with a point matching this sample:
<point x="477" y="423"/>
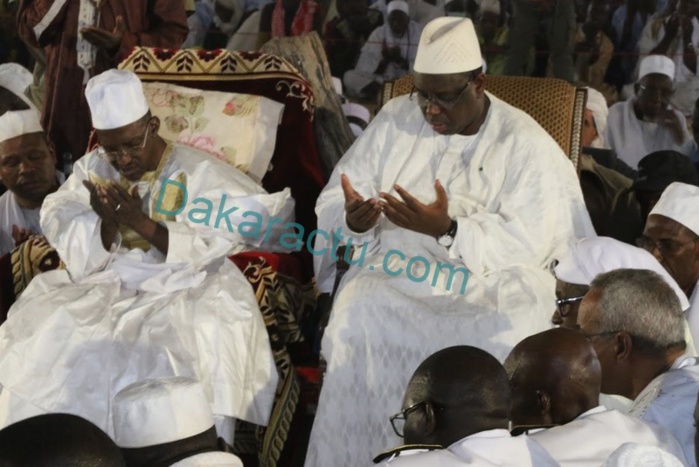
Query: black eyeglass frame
<point x="426" y="100"/>
<point x="403" y="415"/>
<point x="561" y="302"/>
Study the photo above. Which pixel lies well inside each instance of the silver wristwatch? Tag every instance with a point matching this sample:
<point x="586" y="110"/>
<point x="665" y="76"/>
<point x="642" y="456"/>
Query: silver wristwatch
<point x="447" y="238"/>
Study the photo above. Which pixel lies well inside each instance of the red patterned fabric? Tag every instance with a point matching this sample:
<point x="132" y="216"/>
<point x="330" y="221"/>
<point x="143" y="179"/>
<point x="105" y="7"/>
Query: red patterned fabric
<point x="302" y="23"/>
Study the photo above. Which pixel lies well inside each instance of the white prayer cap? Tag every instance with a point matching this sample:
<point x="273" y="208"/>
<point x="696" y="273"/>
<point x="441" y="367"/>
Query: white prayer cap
<point x="597" y="104"/>
<point x="18" y="123"/>
<point x="492" y="6"/>
<point x="588" y="257"/>
<point x="448" y="45"/>
<point x="16" y="79"/>
<point x="657" y="64"/>
<point x="158" y="411"/>
<point x="680" y="202"/>
<point x="400" y="5"/>
<point x="116" y="99"/>
<point x="640" y="455"/>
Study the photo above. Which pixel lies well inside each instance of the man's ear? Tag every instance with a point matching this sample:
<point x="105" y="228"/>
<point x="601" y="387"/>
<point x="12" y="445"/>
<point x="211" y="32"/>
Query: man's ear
<point x="430" y="420"/>
<point x="52" y="150"/>
<point x="155" y="121"/>
<point x="543" y="400"/>
<point x="623" y="346"/>
<point x="479" y="82"/>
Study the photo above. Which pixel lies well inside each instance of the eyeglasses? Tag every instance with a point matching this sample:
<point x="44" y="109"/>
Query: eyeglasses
<point x="398" y="420"/>
<point x="424" y="99"/>
<point x="565" y="304"/>
<point x="597" y="334"/>
<point x="130" y="148"/>
<point x="664" y="94"/>
<point x="666" y="246"/>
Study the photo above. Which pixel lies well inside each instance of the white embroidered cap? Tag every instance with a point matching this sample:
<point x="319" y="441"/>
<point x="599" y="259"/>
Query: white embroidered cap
<point x="448" y="45"/>
<point x="659" y="64"/>
<point x="588" y="257"/>
<point x="400" y="5"/>
<point x="16" y="79"/>
<point x="116" y="99"/>
<point x="491" y="6"/>
<point x="158" y="411"/>
<point x="680" y="202"/>
<point x="18" y="123"/>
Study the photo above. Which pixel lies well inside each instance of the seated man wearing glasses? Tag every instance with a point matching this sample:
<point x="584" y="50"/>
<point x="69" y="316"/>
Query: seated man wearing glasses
<point x="648" y="123"/>
<point x="148" y="291"/>
<point x="27" y="168"/>
<point x="672" y="236"/>
<point x="456" y="412"/>
<point x="635" y="323"/>
<point x="455" y="202"/>
<point x="555" y="378"/>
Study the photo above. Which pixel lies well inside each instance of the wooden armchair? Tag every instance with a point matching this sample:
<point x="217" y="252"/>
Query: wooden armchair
<point x="555" y="104"/>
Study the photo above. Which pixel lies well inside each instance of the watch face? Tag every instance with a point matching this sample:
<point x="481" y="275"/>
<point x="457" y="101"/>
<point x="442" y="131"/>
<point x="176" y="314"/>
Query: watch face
<point x="445" y="240"/>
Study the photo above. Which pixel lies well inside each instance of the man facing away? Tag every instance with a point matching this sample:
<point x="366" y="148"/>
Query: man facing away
<point x="455" y="203"/>
<point x="459" y="398"/>
<point x="635" y="323"/>
<point x="148" y="291"/>
<point x="27" y="169"/>
<point x="555" y="378"/>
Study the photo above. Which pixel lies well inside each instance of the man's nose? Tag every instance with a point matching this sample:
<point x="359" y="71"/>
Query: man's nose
<point x="432" y="108"/>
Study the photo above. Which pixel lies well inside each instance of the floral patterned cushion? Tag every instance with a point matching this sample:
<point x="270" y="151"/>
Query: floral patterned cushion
<point x="240" y="129"/>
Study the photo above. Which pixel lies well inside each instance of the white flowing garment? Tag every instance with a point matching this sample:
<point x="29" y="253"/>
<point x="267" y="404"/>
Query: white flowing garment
<point x="75" y="338"/>
<point x="594" y="435"/>
<point x="491" y="448"/>
<point x="517" y="202"/>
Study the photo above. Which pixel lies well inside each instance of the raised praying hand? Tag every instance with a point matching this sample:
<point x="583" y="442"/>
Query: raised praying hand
<point x="361" y="215"/>
<point x="429" y="219"/>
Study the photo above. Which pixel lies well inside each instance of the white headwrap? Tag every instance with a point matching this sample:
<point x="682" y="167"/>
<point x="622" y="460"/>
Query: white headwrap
<point x="597" y="104"/>
<point x="400" y="5"/>
<point x="641" y="455"/>
<point x="159" y="411"/>
<point x="680" y="202"/>
<point x="448" y="45"/>
<point x="116" y="99"/>
<point x="492" y="6"/>
<point x="18" y="123"/>
<point x="16" y="79"/>
<point x="657" y="64"/>
<point x="588" y="257"/>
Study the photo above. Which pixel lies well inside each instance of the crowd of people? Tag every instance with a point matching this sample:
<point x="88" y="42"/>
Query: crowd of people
<point x="501" y="306"/>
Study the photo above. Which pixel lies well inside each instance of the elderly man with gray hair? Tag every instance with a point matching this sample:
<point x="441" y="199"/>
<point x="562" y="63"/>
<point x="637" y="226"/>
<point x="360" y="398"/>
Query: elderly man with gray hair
<point x="635" y="323"/>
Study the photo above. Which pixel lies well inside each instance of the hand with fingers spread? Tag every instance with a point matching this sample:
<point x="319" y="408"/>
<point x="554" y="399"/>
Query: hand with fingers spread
<point x="105" y="40"/>
<point x="361" y="215"/>
<point x="429" y="219"/>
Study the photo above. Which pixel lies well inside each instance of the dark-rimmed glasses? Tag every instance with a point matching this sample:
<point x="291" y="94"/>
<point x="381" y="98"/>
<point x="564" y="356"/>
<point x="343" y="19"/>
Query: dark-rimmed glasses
<point x="424" y="99"/>
<point x="130" y="148"/>
<point x="664" y="245"/>
<point x="565" y="304"/>
<point x="398" y="420"/>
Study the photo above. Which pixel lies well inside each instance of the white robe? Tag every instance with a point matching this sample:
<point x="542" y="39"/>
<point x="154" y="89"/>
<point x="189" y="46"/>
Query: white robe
<point x="76" y="337"/>
<point x="593" y="436"/>
<point x="484" y="449"/>
<point x="692" y="314"/>
<point x="11" y="213"/>
<point x="213" y="459"/>
<point x="633" y="139"/>
<point x="669" y="401"/>
<point x="517" y="202"/>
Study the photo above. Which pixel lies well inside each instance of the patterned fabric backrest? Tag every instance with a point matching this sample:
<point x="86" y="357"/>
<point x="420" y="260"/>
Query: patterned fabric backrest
<point x="295" y="160"/>
<point x="555" y="104"/>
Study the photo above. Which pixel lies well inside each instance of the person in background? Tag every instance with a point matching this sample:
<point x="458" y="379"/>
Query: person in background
<point x="388" y="54"/>
<point x="493" y="36"/>
<point x="288" y="18"/>
<point x="14" y="81"/>
<point x="648" y="122"/>
<point x="594" y="50"/>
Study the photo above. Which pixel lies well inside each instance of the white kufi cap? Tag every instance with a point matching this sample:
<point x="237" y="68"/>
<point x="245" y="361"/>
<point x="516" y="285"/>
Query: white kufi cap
<point x="16" y="79"/>
<point x="597" y="104"/>
<point x="588" y="257"/>
<point x="680" y="202"/>
<point x="657" y="64"/>
<point x="116" y="99"/>
<point x="641" y="455"/>
<point x="159" y="411"/>
<point x="18" y="123"/>
<point x="448" y="45"/>
<point x="400" y="5"/>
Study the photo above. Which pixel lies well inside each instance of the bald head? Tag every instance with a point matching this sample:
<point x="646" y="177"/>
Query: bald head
<point x="554" y="376"/>
<point x="57" y="439"/>
<point x="467" y="391"/>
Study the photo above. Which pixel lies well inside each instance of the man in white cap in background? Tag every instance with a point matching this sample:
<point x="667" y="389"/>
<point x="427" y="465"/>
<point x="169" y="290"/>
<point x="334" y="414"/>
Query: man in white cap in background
<point x="672" y="236"/>
<point x="14" y="81"/>
<point x="28" y="170"/>
<point x="635" y="323"/>
<point x="647" y="122"/>
<point x="168" y="422"/>
<point x="148" y="291"/>
<point x="388" y="53"/>
<point x="454" y="202"/>
<point x="213" y="23"/>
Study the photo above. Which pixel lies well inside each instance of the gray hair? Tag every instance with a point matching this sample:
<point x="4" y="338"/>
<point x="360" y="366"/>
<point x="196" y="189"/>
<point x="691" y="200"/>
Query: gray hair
<point x="641" y="303"/>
